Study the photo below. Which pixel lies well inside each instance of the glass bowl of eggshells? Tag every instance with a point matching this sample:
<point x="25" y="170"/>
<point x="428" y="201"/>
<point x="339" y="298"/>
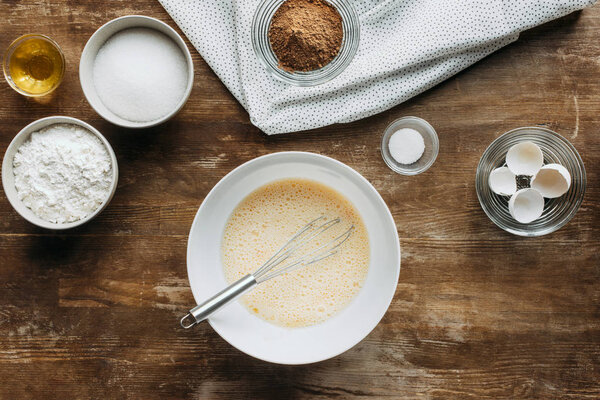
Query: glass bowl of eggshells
<point x="556" y="211"/>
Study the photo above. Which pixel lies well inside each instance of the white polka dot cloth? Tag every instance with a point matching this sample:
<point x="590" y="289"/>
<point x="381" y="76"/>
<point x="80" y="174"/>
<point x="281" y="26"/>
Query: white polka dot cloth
<point x="406" y="47"/>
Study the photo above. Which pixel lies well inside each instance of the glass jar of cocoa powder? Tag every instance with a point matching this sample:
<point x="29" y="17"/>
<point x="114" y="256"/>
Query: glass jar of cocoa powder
<point x="303" y="74"/>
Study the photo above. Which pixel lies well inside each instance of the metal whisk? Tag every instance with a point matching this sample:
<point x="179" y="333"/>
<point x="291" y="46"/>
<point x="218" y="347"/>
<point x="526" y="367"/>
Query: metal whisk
<point x="291" y="256"/>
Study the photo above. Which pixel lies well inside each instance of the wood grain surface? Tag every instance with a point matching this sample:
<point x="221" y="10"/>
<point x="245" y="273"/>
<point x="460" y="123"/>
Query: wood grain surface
<point x="93" y="312"/>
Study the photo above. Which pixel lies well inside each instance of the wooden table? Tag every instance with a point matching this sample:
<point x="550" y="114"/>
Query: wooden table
<point x="93" y="312"/>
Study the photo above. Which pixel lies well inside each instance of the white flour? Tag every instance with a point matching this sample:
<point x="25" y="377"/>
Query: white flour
<point x="63" y="173"/>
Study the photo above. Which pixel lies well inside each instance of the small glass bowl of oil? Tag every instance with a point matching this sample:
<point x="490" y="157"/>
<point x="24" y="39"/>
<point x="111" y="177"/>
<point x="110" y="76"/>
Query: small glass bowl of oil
<point x="34" y="65"/>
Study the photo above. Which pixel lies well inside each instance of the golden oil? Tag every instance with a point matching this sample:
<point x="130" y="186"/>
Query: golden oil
<point x="34" y="65"/>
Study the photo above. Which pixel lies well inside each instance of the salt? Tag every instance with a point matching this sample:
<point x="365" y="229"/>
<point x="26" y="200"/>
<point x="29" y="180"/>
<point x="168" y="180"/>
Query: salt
<point x="140" y="74"/>
<point x="406" y="146"/>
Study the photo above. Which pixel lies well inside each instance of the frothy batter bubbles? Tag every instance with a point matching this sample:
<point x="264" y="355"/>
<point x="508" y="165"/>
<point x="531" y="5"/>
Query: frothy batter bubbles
<point x="264" y="221"/>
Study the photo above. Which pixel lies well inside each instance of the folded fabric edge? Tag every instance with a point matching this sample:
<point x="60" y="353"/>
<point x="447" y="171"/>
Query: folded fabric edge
<point x="269" y="126"/>
<point x="233" y="87"/>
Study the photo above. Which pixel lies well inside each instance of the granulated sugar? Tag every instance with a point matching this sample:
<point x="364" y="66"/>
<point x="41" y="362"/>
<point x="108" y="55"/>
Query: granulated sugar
<point x="140" y="74"/>
<point x="63" y="173"/>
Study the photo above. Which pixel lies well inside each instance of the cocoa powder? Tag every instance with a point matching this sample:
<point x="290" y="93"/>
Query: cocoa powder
<point x="305" y="34"/>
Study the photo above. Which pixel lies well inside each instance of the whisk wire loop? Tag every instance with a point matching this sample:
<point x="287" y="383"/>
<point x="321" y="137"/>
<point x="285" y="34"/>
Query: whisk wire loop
<point x="278" y="256"/>
<point x="322" y="252"/>
<point x="299" y="240"/>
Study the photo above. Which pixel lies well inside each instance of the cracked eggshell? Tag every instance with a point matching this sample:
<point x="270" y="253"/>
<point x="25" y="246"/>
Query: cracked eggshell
<point x="552" y="181"/>
<point x="503" y="182"/>
<point x="525" y="158"/>
<point x="526" y="205"/>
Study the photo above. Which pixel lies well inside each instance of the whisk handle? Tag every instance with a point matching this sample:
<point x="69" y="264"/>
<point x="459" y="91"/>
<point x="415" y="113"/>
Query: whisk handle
<point x="232" y="292"/>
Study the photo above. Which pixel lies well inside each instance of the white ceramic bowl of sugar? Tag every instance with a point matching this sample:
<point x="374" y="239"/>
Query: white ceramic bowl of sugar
<point x="8" y="178"/>
<point x="254" y="335"/>
<point x="95" y="43"/>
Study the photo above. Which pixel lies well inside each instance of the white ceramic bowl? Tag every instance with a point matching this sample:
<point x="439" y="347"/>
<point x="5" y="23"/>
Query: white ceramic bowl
<point x="8" y="177"/>
<point x="255" y="336"/>
<point x="95" y="42"/>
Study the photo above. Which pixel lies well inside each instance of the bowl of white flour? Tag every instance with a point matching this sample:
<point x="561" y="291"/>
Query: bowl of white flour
<point x="59" y="172"/>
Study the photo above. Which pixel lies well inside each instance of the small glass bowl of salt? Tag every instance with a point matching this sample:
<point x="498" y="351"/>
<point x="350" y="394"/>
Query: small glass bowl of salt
<point x="409" y="146"/>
